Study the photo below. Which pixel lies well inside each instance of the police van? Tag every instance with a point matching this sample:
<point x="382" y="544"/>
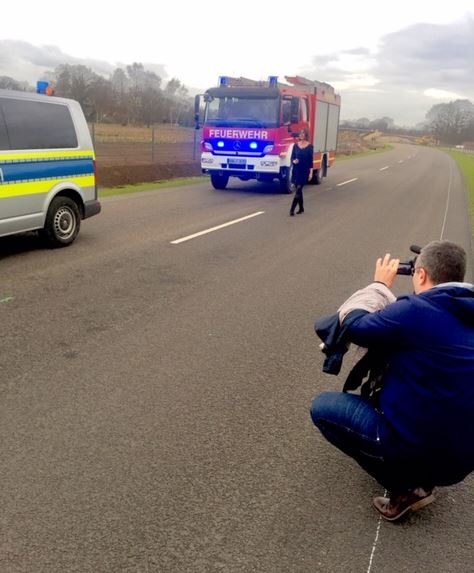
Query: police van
<point x="47" y="167"/>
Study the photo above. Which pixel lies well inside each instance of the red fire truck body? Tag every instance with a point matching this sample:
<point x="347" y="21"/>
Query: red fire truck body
<point x="249" y="128"/>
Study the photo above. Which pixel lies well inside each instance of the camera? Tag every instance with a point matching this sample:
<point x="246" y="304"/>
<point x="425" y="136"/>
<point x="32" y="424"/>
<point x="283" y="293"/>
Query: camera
<point x="408" y="267"/>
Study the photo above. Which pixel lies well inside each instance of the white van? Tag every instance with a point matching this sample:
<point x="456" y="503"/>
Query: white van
<point x="47" y="167"/>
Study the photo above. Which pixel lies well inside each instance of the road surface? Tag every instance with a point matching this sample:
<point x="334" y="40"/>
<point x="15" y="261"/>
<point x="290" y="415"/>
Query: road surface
<point x="156" y="378"/>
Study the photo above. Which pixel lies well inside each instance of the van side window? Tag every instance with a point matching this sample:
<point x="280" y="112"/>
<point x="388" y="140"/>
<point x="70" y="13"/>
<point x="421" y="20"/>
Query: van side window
<point x="38" y="125"/>
<point x="4" y="143"/>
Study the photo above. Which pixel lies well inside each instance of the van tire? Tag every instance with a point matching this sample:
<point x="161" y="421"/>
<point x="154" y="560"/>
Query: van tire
<point x="63" y="222"/>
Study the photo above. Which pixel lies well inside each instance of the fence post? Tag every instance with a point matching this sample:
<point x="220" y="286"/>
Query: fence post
<point x="153" y="144"/>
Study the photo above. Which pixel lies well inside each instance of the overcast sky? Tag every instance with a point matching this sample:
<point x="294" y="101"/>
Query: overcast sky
<point x="394" y="59"/>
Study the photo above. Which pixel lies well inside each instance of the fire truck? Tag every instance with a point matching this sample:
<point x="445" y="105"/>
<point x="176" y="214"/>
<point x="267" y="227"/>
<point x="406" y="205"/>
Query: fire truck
<point x="249" y="128"/>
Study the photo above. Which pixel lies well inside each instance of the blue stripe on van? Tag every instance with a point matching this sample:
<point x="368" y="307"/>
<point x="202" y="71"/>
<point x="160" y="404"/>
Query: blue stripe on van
<point x="16" y="172"/>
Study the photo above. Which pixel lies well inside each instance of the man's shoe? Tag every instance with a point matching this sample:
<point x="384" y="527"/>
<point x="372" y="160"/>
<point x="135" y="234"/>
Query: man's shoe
<point x="300" y="211"/>
<point x="292" y="214"/>
<point x="393" y="507"/>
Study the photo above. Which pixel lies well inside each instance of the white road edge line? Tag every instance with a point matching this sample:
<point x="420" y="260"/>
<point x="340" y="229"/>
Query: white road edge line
<point x="383" y="168"/>
<point x="346" y="182"/>
<point x="372" y="553"/>
<point x="194" y="235"/>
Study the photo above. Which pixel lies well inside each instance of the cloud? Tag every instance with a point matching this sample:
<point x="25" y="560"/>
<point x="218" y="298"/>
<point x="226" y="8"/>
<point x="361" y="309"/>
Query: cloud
<point x="429" y="56"/>
<point x="401" y="77"/>
<point x="404" y="76"/>
<point x="23" y="61"/>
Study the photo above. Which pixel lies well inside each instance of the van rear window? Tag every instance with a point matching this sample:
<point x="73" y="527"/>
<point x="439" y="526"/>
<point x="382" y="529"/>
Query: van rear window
<point x="38" y="125"/>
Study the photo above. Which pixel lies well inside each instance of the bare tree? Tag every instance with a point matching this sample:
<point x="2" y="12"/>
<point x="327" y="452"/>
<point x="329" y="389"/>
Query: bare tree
<point x="451" y="122"/>
<point x="7" y="83"/>
<point x="76" y="82"/>
<point x="130" y="96"/>
<point x="177" y="100"/>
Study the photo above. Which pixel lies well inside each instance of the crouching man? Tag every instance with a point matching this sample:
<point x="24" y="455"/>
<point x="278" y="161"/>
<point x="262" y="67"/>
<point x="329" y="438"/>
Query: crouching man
<point x="419" y="434"/>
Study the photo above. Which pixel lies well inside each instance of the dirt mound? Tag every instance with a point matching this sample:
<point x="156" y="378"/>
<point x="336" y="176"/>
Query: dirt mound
<point x="116" y="175"/>
<point x="356" y="141"/>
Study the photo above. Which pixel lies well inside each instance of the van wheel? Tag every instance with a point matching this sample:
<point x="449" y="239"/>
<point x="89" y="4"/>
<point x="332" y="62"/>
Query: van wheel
<point x="62" y="222"/>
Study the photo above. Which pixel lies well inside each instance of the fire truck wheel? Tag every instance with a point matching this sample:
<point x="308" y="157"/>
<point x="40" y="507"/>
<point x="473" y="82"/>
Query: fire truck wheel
<point x="286" y="186"/>
<point x="317" y="177"/>
<point x="219" y="181"/>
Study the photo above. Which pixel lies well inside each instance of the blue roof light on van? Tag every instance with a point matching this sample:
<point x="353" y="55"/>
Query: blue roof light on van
<point x="44" y="87"/>
<point x="41" y="87"/>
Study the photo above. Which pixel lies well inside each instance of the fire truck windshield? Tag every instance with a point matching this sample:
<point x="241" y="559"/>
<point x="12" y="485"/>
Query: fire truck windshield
<point x="233" y="110"/>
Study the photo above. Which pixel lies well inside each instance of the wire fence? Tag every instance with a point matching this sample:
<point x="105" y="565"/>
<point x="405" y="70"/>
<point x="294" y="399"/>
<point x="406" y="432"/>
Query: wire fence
<point x="165" y="144"/>
<point x="136" y="153"/>
<point x="145" y="145"/>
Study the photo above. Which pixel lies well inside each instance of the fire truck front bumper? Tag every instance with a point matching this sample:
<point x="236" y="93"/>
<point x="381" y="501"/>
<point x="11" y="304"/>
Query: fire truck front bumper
<point x="240" y="165"/>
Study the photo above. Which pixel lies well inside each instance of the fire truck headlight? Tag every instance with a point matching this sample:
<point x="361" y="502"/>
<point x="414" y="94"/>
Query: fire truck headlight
<point x="220" y="144"/>
<point x="207" y="146"/>
<point x="268" y="149"/>
<point x="253" y="145"/>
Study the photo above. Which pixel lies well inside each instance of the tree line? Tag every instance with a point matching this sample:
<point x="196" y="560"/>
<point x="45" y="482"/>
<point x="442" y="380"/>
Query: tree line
<point x="450" y="123"/>
<point x="131" y="96"/>
<point x="136" y="96"/>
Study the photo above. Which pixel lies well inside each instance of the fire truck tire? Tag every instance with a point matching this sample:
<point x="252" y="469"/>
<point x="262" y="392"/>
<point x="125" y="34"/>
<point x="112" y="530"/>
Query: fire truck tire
<point x="286" y="186"/>
<point x="318" y="176"/>
<point x="219" y="181"/>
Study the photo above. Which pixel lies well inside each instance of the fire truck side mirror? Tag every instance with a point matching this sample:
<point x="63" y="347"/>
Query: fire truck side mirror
<point x="295" y="110"/>
<point x="197" y="104"/>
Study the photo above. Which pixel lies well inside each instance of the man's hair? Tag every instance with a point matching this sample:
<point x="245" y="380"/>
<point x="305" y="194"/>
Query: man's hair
<point x="443" y="261"/>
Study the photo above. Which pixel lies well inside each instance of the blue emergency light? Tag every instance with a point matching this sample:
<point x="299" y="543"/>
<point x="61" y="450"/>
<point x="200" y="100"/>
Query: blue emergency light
<point x="273" y="81"/>
<point x="41" y="86"/>
<point x="223" y="81"/>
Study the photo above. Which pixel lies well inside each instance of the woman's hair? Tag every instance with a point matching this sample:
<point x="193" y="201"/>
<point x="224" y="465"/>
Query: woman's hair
<point x="443" y="261"/>
<point x="305" y="131"/>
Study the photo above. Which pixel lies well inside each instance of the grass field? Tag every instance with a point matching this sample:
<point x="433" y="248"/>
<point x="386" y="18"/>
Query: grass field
<point x="116" y="133"/>
<point x="124" y="189"/>
<point x="465" y="162"/>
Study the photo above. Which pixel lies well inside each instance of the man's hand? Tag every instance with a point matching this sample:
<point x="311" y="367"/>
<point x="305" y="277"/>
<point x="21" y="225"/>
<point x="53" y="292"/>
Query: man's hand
<point x="386" y="270"/>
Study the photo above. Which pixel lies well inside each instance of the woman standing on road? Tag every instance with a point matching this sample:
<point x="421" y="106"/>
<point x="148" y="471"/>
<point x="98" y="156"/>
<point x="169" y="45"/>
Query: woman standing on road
<point x="302" y="163"/>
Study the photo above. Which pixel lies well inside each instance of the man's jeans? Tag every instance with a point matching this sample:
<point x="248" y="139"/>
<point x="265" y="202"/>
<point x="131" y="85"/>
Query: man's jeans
<point x="355" y="427"/>
<point x="352" y="424"/>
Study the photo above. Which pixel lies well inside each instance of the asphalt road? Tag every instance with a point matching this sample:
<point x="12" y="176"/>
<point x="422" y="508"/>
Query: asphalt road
<point x="154" y="396"/>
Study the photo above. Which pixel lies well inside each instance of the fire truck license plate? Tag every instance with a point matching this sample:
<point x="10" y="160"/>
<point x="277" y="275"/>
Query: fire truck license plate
<point x="236" y="161"/>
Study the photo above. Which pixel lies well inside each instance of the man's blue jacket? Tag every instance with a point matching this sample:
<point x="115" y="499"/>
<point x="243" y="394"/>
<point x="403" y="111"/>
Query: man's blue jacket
<point x="428" y="389"/>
